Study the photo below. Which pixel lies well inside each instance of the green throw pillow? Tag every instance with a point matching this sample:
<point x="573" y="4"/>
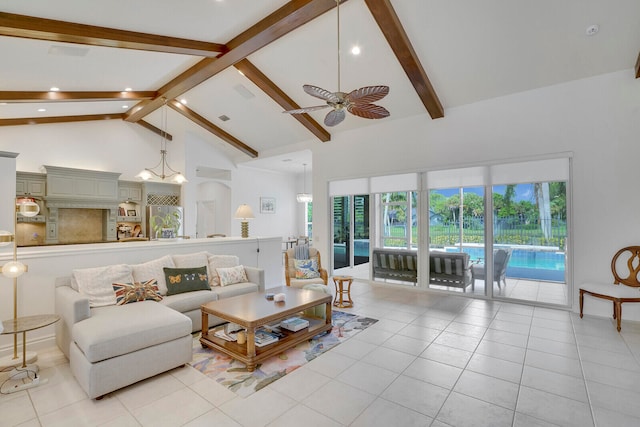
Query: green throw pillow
<point x="181" y="280"/>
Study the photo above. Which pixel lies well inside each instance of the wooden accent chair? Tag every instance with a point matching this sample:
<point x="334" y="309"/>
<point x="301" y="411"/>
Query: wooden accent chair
<point x="627" y="261"/>
<point x="501" y="258"/>
<point x="290" y="269"/>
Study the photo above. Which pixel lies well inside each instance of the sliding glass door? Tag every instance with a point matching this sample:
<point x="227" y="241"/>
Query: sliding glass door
<point x="456" y="224"/>
<point x="529" y="241"/>
<point x="350" y="213"/>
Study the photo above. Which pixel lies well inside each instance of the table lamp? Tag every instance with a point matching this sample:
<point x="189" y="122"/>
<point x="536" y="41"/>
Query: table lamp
<point x="14" y="269"/>
<point x="244" y="213"/>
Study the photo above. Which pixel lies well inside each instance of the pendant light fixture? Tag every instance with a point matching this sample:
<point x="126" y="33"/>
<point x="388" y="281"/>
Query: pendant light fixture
<point x="304" y="197"/>
<point x="165" y="171"/>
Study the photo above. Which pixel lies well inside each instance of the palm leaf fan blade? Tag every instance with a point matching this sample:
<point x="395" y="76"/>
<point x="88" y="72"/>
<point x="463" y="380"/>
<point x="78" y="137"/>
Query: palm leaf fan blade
<point x="320" y="93"/>
<point x="334" y="117"/>
<point x="368" y="111"/>
<point x="307" y="109"/>
<point x="368" y="94"/>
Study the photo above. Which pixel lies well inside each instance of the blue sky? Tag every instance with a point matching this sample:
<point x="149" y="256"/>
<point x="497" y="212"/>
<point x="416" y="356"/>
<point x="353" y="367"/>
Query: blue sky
<point x="523" y="191"/>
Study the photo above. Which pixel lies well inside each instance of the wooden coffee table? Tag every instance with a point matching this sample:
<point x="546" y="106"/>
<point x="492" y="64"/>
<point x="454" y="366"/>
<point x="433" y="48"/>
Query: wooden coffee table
<point x="252" y="311"/>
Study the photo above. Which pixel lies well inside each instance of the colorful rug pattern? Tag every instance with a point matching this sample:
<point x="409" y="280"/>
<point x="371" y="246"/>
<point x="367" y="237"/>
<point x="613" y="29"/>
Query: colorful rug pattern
<point x="234" y="375"/>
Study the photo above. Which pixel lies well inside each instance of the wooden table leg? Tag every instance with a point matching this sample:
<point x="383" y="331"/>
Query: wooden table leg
<point x="205" y="323"/>
<point x="251" y="347"/>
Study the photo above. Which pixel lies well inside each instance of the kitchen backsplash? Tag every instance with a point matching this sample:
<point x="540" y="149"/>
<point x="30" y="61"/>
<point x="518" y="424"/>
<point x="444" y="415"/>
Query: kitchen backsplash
<point x="30" y="234"/>
<point x="79" y="225"/>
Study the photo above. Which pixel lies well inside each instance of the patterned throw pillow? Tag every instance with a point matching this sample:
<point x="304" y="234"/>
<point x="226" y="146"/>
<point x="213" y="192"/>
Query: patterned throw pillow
<point x="306" y="269"/>
<point x="180" y="280"/>
<point x="134" y="292"/>
<point x="231" y="275"/>
<point x="220" y="261"/>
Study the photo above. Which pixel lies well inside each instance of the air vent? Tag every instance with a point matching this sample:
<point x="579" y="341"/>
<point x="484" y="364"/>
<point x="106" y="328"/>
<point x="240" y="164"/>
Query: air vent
<point x="224" y="118"/>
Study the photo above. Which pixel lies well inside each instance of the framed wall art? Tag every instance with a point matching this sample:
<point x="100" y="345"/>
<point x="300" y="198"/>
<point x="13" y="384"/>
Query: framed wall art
<point x="268" y="205"/>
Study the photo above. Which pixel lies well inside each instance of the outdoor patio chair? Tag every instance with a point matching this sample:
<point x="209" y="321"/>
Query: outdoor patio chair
<point x="501" y="259"/>
<point x="627" y="261"/>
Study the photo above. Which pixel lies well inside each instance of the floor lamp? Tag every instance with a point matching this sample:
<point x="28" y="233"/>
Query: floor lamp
<point x="14" y="269"/>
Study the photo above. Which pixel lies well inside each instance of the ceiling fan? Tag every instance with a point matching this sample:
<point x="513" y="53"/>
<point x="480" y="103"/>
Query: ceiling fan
<point x="358" y="102"/>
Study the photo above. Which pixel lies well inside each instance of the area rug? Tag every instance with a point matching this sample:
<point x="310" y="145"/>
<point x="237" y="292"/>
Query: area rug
<point x="235" y="376"/>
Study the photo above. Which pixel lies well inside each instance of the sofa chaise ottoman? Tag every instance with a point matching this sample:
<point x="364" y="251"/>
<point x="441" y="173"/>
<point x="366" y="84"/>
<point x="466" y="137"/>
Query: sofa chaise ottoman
<point x="116" y="338"/>
<point x="147" y="339"/>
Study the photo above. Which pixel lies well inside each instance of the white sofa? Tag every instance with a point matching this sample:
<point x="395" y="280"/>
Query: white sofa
<point x="111" y="346"/>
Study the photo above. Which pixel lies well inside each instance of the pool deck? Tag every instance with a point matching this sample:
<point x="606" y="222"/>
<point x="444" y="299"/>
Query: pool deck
<point x="547" y="292"/>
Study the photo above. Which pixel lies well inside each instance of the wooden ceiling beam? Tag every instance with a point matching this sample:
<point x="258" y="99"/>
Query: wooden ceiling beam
<point x="390" y="25"/>
<point x="24" y="96"/>
<point x="155" y="130"/>
<point x="284" y="20"/>
<point x="638" y="67"/>
<point x="251" y="72"/>
<point x="13" y="25"/>
<point x="59" y="119"/>
<point x="207" y="125"/>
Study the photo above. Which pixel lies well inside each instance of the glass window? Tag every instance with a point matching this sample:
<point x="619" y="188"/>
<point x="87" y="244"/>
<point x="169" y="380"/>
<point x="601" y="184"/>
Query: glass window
<point x="399" y="219"/>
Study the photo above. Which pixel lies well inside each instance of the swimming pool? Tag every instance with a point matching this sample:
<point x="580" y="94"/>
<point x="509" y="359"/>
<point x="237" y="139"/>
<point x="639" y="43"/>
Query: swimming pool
<point x="525" y="263"/>
<point x="528" y="263"/>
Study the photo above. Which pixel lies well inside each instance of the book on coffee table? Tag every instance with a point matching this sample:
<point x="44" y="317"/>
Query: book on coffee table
<point x="294" y="324"/>
<point x="265" y="338"/>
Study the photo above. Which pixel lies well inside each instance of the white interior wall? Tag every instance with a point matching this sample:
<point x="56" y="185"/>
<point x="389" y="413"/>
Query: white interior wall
<point x="598" y="119"/>
<point x="249" y="185"/>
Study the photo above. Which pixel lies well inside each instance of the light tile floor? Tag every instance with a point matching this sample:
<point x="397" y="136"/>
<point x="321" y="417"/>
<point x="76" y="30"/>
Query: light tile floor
<point x="431" y="360"/>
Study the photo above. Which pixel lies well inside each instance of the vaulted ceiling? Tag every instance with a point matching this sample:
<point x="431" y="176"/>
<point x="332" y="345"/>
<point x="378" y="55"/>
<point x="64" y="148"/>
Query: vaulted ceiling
<point x="433" y="54"/>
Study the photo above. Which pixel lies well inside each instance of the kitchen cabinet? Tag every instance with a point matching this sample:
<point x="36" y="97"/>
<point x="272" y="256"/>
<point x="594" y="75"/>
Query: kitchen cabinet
<point x="81" y="184"/>
<point x="129" y="191"/>
<point x="30" y="184"/>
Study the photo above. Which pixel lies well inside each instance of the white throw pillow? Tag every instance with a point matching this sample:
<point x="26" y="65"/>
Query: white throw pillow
<point x="220" y="261"/>
<point x="194" y="260"/>
<point x="97" y="283"/>
<point x="232" y="275"/>
<point x="153" y="270"/>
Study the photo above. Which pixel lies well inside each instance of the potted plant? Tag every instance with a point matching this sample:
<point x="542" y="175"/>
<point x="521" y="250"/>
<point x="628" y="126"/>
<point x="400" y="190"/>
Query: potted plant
<point x="166" y="226"/>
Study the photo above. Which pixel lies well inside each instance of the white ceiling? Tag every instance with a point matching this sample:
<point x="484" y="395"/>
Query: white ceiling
<point x="471" y="50"/>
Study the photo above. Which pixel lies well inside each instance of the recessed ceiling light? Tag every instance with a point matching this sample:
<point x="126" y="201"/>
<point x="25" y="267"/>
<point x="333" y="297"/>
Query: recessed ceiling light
<point x="54" y="89"/>
<point x="592" y="30"/>
<point x="41" y="110"/>
<point x="127" y="89"/>
<point x="183" y="101"/>
<point x="355" y="50"/>
<point x="125" y="106"/>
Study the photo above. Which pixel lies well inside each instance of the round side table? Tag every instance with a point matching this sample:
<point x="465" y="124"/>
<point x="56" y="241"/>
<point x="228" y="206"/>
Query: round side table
<point x="22" y="325"/>
<point x="343" y="293"/>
